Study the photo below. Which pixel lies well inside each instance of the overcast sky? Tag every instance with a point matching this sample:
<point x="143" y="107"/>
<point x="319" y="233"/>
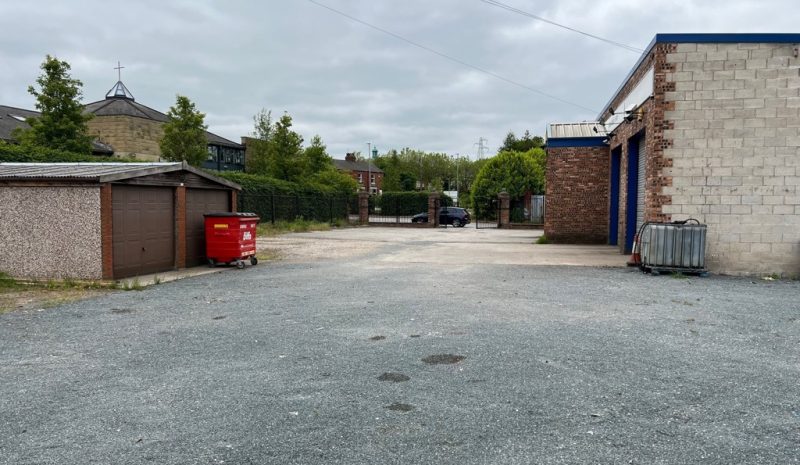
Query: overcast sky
<point x="349" y="83"/>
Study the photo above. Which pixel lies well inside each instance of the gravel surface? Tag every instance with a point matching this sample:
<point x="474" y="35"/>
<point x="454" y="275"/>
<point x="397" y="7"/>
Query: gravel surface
<point x="284" y="363"/>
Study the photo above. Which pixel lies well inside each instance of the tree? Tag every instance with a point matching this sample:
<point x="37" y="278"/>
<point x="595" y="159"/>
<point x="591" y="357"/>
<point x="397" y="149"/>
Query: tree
<point x="512" y="144"/>
<point x="285" y="154"/>
<point x="62" y="124"/>
<point x="316" y="158"/>
<point x="258" y="148"/>
<point x="513" y="172"/>
<point x="184" y="134"/>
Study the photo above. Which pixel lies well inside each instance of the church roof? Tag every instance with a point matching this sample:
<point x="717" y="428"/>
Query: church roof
<point x="119" y="102"/>
<point x="119" y="91"/>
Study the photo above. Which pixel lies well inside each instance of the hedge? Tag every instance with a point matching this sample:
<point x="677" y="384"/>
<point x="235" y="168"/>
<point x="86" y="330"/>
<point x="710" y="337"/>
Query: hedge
<point x="22" y="154"/>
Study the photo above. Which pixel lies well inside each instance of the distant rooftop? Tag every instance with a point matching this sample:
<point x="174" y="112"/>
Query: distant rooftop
<point x="575" y="130"/>
<point x="347" y="165"/>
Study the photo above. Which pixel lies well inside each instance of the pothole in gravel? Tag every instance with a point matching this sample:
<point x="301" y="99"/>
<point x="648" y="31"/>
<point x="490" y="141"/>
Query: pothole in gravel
<point x="443" y="359"/>
<point x="377" y="338"/>
<point x="400" y="407"/>
<point x="393" y="377"/>
<point x="415" y="335"/>
<point x="121" y="311"/>
<point x="220" y="317"/>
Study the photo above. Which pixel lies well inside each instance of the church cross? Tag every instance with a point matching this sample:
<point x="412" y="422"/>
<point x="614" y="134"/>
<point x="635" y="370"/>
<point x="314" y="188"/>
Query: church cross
<point x="119" y="69"/>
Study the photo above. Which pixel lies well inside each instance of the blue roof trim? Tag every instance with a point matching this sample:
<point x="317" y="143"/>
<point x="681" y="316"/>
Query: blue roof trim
<point x="576" y="142"/>
<point x="703" y="38"/>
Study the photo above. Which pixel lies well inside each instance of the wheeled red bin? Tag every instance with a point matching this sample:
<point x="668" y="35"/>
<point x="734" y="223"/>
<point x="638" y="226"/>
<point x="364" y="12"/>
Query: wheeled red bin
<point x="231" y="238"/>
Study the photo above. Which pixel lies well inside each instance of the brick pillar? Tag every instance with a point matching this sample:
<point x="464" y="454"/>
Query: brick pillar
<point x="433" y="209"/>
<point x="504" y="203"/>
<point x="363" y="208"/>
<point x="106" y="231"/>
<point x="234" y="200"/>
<point x="180" y="227"/>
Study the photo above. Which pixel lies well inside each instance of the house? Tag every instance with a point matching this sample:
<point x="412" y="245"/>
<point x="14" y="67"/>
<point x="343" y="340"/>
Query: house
<point x="362" y="171"/>
<point x="105" y="220"/>
<point x="704" y="126"/>
<point x="12" y="118"/>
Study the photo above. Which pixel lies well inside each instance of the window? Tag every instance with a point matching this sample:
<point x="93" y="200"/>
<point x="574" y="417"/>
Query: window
<point x="361" y="178"/>
<point x="212" y="153"/>
<point x="372" y="180"/>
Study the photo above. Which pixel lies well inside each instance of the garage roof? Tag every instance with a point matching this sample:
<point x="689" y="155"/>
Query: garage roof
<point x="572" y="130"/>
<point x="97" y="172"/>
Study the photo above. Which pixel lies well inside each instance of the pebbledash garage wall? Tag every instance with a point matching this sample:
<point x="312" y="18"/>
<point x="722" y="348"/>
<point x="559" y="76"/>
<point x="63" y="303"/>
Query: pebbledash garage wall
<point x="710" y="127"/>
<point x="105" y="220"/>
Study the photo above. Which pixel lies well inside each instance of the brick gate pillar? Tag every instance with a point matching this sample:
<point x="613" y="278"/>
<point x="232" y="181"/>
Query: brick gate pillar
<point x="363" y="208"/>
<point x="504" y="203"/>
<point x="433" y="209"/>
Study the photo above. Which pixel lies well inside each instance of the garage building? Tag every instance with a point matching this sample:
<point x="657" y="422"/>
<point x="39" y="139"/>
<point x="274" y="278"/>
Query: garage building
<point x="704" y="126"/>
<point x="105" y="220"/>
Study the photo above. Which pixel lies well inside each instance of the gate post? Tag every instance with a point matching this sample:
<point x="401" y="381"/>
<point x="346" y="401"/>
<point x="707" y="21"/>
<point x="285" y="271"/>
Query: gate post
<point x="433" y="209"/>
<point x="363" y="208"/>
<point x="504" y="203"/>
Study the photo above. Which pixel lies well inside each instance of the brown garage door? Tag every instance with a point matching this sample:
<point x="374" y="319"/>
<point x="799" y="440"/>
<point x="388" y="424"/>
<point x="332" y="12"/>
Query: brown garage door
<point x="198" y="202"/>
<point x="143" y="229"/>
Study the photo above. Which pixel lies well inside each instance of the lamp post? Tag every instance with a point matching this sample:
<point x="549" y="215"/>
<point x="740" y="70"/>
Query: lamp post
<point x="369" y="168"/>
<point x="374" y="154"/>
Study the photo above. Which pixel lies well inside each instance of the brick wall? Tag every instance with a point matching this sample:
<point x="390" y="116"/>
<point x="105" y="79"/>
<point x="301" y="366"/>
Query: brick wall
<point x="735" y="130"/>
<point x="130" y="136"/>
<point x="577" y="194"/>
<point x="56" y="232"/>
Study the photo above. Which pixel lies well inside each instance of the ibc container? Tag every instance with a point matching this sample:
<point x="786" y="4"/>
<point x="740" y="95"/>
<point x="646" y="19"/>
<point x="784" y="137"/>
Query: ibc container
<point x="677" y="246"/>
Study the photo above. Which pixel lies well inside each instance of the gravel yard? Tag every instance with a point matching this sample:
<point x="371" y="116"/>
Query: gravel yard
<point x="373" y="345"/>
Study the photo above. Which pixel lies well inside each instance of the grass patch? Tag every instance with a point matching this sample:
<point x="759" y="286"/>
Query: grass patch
<point x="130" y="285"/>
<point x="542" y="240"/>
<point x="8" y="283"/>
<point x="296" y="226"/>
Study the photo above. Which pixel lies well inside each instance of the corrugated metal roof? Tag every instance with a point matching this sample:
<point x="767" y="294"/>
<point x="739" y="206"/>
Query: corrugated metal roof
<point x="88" y="171"/>
<point x="573" y="130"/>
<point x="96" y="172"/>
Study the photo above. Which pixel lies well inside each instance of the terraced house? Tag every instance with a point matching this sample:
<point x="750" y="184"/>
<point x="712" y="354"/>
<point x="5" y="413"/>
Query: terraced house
<point x="704" y="126"/>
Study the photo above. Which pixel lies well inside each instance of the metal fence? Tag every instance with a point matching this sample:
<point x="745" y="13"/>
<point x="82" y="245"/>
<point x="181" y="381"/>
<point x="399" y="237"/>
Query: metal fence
<point x="397" y="210"/>
<point x="322" y="208"/>
<point x="486" y="212"/>
<point x="524" y="213"/>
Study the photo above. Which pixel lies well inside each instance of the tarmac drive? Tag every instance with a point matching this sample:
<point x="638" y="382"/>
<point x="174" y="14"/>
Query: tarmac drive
<point x="284" y="363"/>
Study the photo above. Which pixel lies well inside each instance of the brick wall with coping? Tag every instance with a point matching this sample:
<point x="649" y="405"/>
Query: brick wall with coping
<point x="735" y="116"/>
<point x="576" y="197"/>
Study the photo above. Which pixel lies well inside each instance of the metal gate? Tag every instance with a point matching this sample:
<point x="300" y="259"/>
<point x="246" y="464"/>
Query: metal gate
<point x="486" y="213"/>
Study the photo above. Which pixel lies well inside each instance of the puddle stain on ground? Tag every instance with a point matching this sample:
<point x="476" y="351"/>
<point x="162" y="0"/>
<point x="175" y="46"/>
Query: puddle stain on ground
<point x="377" y="338"/>
<point x="415" y="335"/>
<point x="220" y="317"/>
<point x="393" y="377"/>
<point x="443" y="359"/>
<point x="400" y="407"/>
<point x="122" y="311"/>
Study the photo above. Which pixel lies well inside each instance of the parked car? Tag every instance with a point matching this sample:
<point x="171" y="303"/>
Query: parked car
<point x="455" y="216"/>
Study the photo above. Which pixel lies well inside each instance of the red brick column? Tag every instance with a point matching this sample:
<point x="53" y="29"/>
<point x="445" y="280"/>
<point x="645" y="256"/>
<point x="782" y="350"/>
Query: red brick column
<point x="363" y="208"/>
<point x="504" y="203"/>
<point x="433" y="209"/>
<point x="234" y="200"/>
<point x="180" y="227"/>
<point x="106" y="231"/>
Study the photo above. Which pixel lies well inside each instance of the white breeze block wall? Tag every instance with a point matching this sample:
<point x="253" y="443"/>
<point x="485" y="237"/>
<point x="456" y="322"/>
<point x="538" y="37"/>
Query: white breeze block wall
<point x="50" y="232"/>
<point x="736" y="152"/>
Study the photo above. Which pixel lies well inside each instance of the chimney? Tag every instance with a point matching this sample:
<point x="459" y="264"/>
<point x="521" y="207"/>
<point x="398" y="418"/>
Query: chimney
<point x="350" y="156"/>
